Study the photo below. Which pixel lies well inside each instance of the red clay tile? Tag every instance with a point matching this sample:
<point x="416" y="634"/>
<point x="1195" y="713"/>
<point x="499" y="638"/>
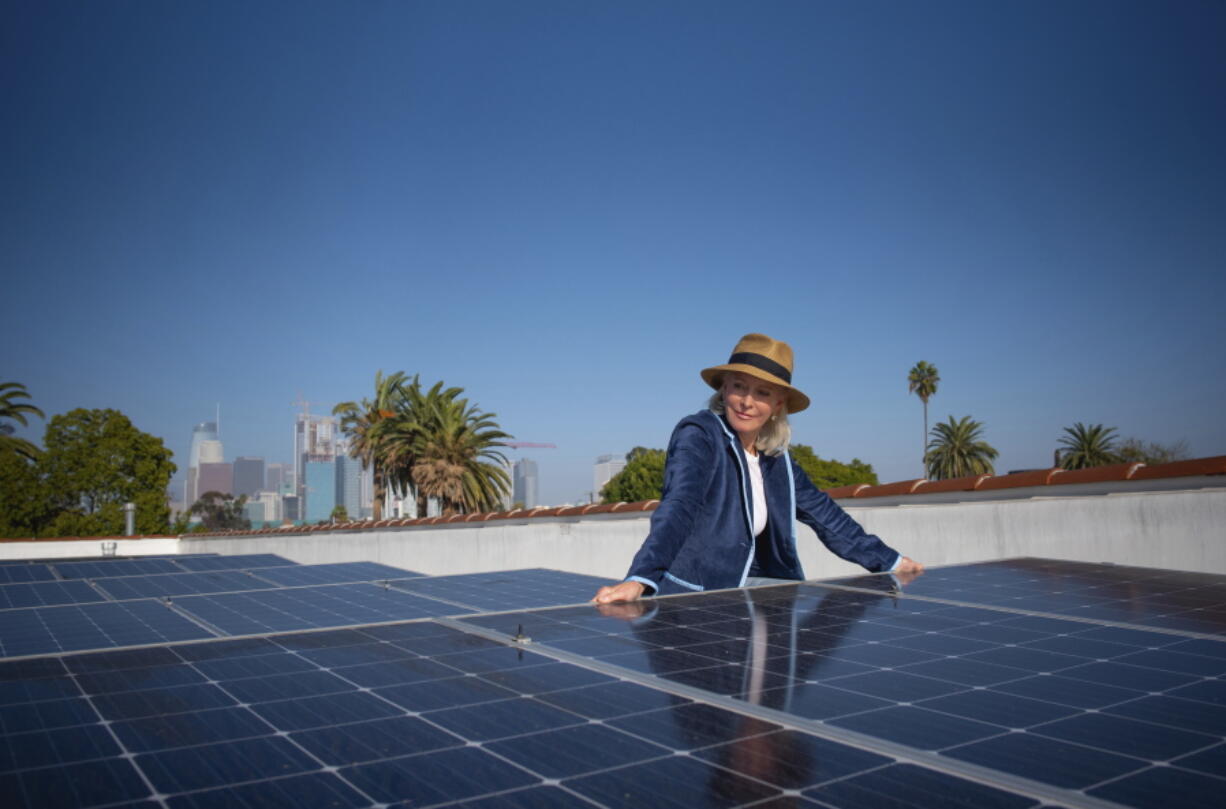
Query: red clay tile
<point x="1215" y="465"/>
<point x="1035" y="477"/>
<point x="964" y="484"/>
<point x="886" y="489"/>
<point x="1097" y="474"/>
<point x="846" y="491"/>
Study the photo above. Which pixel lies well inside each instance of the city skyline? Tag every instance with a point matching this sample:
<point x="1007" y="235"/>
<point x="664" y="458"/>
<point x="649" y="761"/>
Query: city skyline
<point x="570" y="210"/>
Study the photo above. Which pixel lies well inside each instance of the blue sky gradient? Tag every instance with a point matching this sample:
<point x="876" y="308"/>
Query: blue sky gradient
<point x="568" y="209"/>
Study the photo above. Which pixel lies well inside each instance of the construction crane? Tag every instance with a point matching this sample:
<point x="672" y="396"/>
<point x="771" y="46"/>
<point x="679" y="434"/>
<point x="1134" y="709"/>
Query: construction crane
<point x="522" y="444"/>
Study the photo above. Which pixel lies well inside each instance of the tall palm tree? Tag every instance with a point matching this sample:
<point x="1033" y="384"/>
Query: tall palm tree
<point x="438" y="445"/>
<point x="458" y="461"/>
<point x="922" y="381"/>
<point x="13" y="410"/>
<point x="362" y="422"/>
<point x="957" y="449"/>
<point x="405" y="435"/>
<point x="1087" y="445"/>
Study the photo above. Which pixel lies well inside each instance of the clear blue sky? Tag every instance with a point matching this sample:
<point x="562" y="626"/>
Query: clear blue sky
<point x="568" y="209"/>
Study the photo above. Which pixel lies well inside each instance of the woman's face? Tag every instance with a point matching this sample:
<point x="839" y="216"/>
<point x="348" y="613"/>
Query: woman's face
<point x="749" y="402"/>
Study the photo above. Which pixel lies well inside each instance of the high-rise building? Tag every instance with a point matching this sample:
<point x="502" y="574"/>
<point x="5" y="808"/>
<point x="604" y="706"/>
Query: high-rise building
<point x="290" y="508"/>
<point x="525" y="483"/>
<point x="606" y="467"/>
<point x="215" y="477"/>
<point x="272" y="505"/>
<point x="205" y="448"/>
<point x="314" y="442"/>
<point x="320" y="490"/>
<point x="349" y="485"/>
<point x="205" y="431"/>
<point x="274" y="475"/>
<point x="248" y="476"/>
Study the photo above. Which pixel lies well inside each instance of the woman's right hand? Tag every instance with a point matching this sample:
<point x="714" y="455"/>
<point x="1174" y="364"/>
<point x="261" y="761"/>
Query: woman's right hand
<point x="626" y="591"/>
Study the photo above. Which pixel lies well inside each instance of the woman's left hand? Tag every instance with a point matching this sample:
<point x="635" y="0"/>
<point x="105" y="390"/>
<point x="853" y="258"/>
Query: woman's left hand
<point x="908" y="570"/>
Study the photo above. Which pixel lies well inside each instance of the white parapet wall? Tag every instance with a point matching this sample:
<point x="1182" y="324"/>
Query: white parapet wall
<point x="1172" y="529"/>
<point x="89" y="547"/>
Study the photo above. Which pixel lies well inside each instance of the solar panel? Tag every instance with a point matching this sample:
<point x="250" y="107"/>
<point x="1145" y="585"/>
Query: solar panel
<point x="177" y="584"/>
<point x="115" y="567"/>
<point x="261" y="611"/>
<point x="339" y="573"/>
<point x="47" y="593"/>
<point x="25" y="572"/>
<point x="508" y="589"/>
<point x="238" y="562"/>
<point x="788" y="695"/>
<point x="43" y="630"/>
<point x="1180" y="600"/>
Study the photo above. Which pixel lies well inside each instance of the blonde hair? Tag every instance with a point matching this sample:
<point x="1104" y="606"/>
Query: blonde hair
<point x="775" y="435"/>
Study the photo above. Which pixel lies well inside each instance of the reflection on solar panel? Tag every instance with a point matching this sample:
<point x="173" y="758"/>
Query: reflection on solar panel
<point x="789" y="695"/>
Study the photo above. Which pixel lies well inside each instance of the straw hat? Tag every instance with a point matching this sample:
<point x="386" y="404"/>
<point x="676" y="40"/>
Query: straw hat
<point x="759" y="356"/>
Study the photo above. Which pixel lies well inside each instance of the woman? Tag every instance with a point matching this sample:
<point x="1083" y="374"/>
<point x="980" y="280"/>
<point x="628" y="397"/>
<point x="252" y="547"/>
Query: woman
<point x="731" y="491"/>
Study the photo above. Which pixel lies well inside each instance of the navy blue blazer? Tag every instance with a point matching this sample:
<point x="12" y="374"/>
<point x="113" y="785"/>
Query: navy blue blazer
<point x="701" y="535"/>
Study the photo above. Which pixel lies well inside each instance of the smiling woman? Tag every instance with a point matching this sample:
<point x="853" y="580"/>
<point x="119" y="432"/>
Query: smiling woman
<point x="732" y="492"/>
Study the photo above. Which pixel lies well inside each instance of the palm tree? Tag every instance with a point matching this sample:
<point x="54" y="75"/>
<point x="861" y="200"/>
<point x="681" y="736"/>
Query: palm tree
<point x="362" y="422"/>
<point x="957" y="449"/>
<point x="457" y="460"/>
<point x="11" y="409"/>
<point x="405" y="434"/>
<point x="1087" y="445"/>
<point x="922" y="381"/>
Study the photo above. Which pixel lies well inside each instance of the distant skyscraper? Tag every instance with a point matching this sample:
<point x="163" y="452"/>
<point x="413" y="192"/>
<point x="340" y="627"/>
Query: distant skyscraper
<point x="349" y="485"/>
<point x="211" y="451"/>
<point x="320" y="477"/>
<point x="525" y="483"/>
<point x="248" y="476"/>
<point x="314" y="442"/>
<point x="206" y="448"/>
<point x="215" y="477"/>
<point x="606" y="467"/>
<point x="274" y="476"/>
<point x="205" y="431"/>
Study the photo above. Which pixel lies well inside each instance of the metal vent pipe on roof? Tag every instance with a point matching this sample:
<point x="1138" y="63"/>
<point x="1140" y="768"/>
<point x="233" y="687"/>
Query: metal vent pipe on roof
<point x="129" y="519"/>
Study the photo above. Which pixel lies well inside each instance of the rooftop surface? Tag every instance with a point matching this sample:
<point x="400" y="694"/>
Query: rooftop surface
<point x="196" y="681"/>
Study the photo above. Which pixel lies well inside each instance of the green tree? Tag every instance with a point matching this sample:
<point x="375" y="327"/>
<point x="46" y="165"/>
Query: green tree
<point x="957" y="449"/>
<point x="362" y="422"/>
<point x="340" y="514"/>
<point x="93" y="462"/>
<point x="1134" y="450"/>
<point x="221" y="512"/>
<point x="922" y="380"/>
<point x="1087" y="445"/>
<point x="455" y="455"/>
<point x="830" y="474"/>
<point x="642" y="478"/>
<point x="13" y="410"/>
<point x="23" y="496"/>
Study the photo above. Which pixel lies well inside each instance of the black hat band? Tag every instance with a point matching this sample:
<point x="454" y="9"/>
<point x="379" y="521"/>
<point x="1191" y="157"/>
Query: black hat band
<point x="762" y="363"/>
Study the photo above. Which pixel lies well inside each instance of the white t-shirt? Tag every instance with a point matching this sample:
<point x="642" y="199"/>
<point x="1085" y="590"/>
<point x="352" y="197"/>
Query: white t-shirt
<point x="759" y="494"/>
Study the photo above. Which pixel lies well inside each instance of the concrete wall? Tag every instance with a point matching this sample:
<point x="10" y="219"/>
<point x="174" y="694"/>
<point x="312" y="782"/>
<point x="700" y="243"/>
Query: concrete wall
<point x="1181" y="530"/>
<point x="92" y="546"/>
